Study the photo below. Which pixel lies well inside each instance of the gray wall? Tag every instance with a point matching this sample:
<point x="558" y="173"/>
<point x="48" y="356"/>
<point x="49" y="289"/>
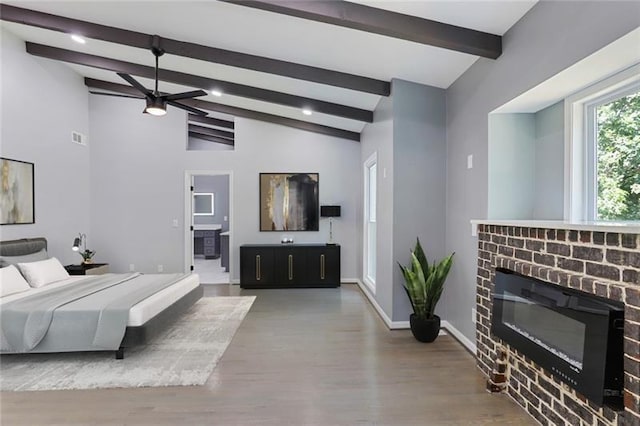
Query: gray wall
<point x="138" y="168"/>
<point x="549" y="160"/>
<point x="526" y="164"/>
<point x="548" y="39"/>
<point x="219" y="186"/>
<point x="137" y="185"/>
<point x="42" y="103"/>
<point x="408" y="134"/>
<point x="419" y="171"/>
<point x="378" y="137"/>
<point x="512" y="148"/>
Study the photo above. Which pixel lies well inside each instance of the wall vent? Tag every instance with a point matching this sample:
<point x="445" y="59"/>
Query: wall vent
<point x="79" y="138"/>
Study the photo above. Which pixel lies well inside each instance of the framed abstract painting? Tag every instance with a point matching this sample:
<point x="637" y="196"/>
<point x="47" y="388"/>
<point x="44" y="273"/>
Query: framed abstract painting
<point x="17" y="199"/>
<point x="289" y="202"/>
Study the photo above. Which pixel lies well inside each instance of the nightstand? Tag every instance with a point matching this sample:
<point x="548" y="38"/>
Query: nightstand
<point x="88" y="269"/>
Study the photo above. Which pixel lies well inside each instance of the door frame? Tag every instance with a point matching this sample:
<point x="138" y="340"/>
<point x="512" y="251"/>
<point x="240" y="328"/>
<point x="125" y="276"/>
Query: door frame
<point x="188" y="216"/>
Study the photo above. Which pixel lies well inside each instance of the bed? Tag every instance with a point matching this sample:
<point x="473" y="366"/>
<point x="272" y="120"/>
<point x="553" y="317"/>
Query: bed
<point x="77" y="306"/>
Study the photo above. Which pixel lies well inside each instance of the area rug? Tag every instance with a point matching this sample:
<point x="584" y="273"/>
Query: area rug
<point x="184" y="354"/>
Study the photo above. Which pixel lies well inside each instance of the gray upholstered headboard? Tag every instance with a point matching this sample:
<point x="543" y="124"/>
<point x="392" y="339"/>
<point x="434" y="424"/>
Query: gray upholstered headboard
<point x="23" y="246"/>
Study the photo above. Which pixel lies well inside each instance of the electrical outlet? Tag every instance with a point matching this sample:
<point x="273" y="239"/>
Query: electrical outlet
<point x="160" y="268"/>
<point x="174" y="223"/>
<point x="132" y="267"/>
<point x="226" y="218"/>
<point x="473" y="315"/>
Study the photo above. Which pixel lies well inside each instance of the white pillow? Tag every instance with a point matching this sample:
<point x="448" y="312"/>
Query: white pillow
<point x="11" y="281"/>
<point x="45" y="272"/>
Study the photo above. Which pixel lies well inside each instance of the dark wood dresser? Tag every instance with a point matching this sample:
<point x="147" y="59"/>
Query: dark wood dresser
<point x="289" y="265"/>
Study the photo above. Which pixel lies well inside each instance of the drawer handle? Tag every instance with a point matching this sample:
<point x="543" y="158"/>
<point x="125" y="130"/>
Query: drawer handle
<point x="322" y="266"/>
<point x="258" y="275"/>
<point x="290" y="267"/>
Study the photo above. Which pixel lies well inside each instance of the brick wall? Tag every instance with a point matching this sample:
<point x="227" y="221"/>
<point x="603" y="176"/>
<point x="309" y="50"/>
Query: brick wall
<point x="605" y="264"/>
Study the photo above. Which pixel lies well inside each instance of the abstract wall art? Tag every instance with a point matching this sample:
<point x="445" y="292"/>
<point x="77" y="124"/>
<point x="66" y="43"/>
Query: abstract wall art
<point x="16" y="192"/>
<point x="289" y="201"/>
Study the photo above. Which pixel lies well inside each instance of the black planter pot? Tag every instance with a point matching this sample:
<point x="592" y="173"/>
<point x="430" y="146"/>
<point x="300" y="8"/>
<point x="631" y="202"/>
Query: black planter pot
<point x="425" y="330"/>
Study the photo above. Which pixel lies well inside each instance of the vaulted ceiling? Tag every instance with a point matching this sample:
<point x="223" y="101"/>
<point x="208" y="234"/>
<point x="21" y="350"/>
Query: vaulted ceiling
<point x="269" y="59"/>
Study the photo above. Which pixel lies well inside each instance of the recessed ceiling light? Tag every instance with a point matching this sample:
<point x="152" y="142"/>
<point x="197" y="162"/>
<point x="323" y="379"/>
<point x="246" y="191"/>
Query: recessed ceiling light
<point x="216" y="92"/>
<point x="78" y="39"/>
<point x="307" y="111"/>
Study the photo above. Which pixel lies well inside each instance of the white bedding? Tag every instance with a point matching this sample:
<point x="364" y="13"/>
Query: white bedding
<point x="139" y="313"/>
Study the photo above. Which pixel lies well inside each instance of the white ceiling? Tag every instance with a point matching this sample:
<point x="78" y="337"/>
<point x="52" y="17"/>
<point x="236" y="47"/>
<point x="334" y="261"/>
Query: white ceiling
<point x="246" y="30"/>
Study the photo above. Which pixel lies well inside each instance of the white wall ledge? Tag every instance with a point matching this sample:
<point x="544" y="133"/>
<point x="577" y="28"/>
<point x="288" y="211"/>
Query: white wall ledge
<point x="601" y="226"/>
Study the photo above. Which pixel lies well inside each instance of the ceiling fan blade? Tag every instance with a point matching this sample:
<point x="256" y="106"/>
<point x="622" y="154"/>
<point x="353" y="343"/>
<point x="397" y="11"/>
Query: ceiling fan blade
<point x="184" y="95"/>
<point x="116" y="95"/>
<point x="187" y="108"/>
<point x="132" y="81"/>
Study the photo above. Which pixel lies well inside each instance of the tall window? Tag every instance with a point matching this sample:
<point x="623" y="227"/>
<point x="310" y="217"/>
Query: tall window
<point x="603" y="150"/>
<point x="614" y="136"/>
<point x="370" y="203"/>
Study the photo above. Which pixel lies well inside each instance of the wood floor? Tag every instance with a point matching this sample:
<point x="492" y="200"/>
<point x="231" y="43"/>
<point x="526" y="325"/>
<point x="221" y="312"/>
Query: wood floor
<point x="301" y="357"/>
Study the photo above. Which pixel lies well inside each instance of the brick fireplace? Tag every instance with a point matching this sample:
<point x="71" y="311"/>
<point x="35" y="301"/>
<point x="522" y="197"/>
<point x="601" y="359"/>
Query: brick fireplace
<point x="598" y="262"/>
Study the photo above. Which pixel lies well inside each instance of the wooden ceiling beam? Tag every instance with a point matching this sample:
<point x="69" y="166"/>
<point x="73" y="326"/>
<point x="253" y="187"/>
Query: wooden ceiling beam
<point x="211" y="132"/>
<point x="195" y="51"/>
<point x="204" y="83"/>
<point x="211" y="121"/>
<point x="235" y="111"/>
<point x="383" y="22"/>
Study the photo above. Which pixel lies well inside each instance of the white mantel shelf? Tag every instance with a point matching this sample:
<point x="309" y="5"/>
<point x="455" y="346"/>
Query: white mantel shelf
<point x="620" y="227"/>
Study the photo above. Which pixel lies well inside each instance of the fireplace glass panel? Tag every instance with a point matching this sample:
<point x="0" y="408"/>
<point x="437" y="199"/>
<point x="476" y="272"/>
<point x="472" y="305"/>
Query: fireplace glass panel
<point x="557" y="333"/>
<point x="575" y="336"/>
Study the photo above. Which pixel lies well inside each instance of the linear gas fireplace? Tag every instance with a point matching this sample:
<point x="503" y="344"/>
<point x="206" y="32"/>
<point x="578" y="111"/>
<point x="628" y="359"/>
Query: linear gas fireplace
<point x="575" y="336"/>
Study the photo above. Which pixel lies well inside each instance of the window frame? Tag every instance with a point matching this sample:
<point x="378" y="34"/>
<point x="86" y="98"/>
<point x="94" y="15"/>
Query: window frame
<point x="371" y="161"/>
<point x="580" y="183"/>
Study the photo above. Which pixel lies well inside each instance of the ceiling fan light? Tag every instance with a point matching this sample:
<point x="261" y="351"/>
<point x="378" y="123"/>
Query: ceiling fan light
<point x="155" y="111"/>
<point x="156" y="107"/>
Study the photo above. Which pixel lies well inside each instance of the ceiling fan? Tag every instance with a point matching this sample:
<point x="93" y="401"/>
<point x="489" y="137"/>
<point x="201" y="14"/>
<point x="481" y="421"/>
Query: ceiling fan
<point x="156" y="102"/>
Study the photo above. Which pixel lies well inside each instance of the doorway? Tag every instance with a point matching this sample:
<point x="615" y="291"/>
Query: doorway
<point x="208" y="216"/>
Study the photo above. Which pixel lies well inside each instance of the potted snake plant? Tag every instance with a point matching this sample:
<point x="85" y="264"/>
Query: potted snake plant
<point x="424" y="284"/>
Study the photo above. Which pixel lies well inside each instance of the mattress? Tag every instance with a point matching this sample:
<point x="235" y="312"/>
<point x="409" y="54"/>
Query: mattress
<point x="139" y="313"/>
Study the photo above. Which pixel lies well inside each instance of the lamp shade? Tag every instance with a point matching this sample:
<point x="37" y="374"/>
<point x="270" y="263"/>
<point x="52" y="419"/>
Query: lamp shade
<point x="156" y="106"/>
<point x="330" y="211"/>
<point x="76" y="244"/>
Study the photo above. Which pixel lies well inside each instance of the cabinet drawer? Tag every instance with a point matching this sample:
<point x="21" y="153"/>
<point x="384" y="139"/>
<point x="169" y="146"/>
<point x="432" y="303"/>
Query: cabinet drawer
<point x="290" y="266"/>
<point x="209" y="241"/>
<point x="256" y="267"/>
<point x="323" y="265"/>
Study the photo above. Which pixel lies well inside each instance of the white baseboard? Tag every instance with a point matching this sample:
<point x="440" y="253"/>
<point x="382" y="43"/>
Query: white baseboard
<point x="446" y="327"/>
<point x="471" y="346"/>
<point x="342" y="281"/>
<point x="393" y="325"/>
